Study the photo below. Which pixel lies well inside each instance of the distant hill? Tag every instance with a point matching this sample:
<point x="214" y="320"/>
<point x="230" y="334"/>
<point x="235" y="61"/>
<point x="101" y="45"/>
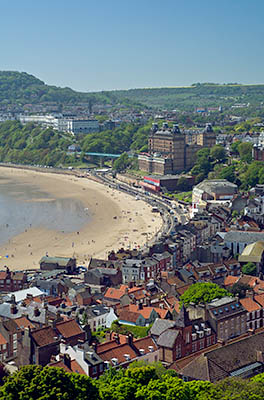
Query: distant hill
<point x="22" y="88"/>
<point x="197" y="95"/>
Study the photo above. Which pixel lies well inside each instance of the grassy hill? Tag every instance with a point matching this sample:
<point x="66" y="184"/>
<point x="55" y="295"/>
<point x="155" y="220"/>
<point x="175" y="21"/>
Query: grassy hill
<point x="197" y="95"/>
<point x="22" y="88"/>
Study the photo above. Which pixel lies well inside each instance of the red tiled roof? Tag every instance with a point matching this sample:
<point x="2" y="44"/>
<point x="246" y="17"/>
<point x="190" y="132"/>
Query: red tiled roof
<point x="249" y="304"/>
<point x="129" y="316"/>
<point x="182" y="289"/>
<point x="145" y="312"/>
<point x="174" y="303"/>
<point x="3" y="274"/>
<point x="139" y="295"/>
<point x="44" y="336"/>
<point x="75" y="367"/>
<point x="135" y="289"/>
<point x="248" y="280"/>
<point x="53" y="301"/>
<point x="2" y="339"/>
<point x="60" y="364"/>
<point x="162" y="313"/>
<point x="113" y="293"/>
<point x="119" y="352"/>
<point x="37" y="299"/>
<point x="259" y="298"/>
<point x="110" y="344"/>
<point x="68" y="302"/>
<point x="230" y="280"/>
<point x="144" y="343"/>
<point x="23" y="322"/>
<point x="174" y="280"/>
<point x="259" y="286"/>
<point x="69" y="328"/>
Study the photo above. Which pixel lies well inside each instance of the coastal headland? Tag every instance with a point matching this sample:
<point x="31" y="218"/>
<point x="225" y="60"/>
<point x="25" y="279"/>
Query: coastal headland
<point x="116" y="220"/>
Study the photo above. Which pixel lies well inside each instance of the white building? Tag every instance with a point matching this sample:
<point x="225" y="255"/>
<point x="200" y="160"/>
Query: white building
<point x="62" y="124"/>
<point x="100" y="316"/>
<point x="236" y="241"/>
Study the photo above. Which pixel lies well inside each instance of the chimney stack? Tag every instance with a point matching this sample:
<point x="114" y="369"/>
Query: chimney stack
<point x="129" y="339"/>
<point x="13" y="308"/>
<point x="67" y="360"/>
<point x="117" y="338"/>
<point x="36" y="312"/>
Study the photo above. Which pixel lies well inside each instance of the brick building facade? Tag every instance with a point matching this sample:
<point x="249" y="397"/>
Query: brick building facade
<point x="169" y="150"/>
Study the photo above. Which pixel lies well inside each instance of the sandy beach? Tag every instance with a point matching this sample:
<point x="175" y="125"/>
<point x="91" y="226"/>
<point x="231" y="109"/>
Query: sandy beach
<point x="117" y="220"/>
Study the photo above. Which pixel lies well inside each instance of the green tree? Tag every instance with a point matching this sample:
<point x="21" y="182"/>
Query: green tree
<point x="218" y="153"/>
<point x="234" y="389"/>
<point x="35" y="382"/>
<point x="239" y="289"/>
<point x="249" y="269"/>
<point x="202" y="154"/>
<point x="245" y="151"/>
<point x="121" y="163"/>
<point x="234" y="147"/>
<point x="250" y="177"/>
<point x="183" y="184"/>
<point x="227" y="173"/>
<point x="203" y="292"/>
<point x="166" y="389"/>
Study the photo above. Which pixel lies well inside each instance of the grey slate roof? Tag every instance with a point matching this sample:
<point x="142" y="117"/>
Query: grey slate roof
<point x="167" y="338"/>
<point x="63" y="261"/>
<point x="96" y="311"/>
<point x="220" y="363"/>
<point x="5" y="311"/>
<point x="161" y="325"/>
<point x="182" y="319"/>
<point x="217" y="186"/>
<point x="243" y="236"/>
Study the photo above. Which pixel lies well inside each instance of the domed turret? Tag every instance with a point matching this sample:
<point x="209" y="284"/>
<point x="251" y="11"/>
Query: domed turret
<point x="208" y="128"/>
<point x="176" y="129"/>
<point x="154" y="128"/>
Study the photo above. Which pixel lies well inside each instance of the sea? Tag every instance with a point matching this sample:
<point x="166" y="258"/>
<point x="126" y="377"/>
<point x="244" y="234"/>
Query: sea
<point x="23" y="206"/>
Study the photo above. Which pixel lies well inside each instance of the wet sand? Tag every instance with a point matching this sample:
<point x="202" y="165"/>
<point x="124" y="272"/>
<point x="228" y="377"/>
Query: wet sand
<point x="117" y="220"/>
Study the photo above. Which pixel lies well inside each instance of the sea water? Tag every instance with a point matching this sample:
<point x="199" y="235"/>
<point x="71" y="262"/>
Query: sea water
<point x="24" y="206"/>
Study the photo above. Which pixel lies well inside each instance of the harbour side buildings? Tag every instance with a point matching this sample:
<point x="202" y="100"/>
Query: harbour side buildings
<point x="171" y="151"/>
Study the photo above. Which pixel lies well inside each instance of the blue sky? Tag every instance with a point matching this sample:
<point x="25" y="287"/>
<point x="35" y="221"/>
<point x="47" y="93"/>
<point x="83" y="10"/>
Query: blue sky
<point x="113" y="44"/>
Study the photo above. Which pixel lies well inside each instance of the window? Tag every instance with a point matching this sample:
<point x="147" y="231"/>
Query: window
<point x="101" y="367"/>
<point x="187" y="337"/>
<point x="194" y="346"/>
<point x="14" y="344"/>
<point x="201" y="344"/>
<point x="94" y="370"/>
<point x="15" y="336"/>
<point x="178" y="351"/>
<point x="4" y="346"/>
<point x="209" y="341"/>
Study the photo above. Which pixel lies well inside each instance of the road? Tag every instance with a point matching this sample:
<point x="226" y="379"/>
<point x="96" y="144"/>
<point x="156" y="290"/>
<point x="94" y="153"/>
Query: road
<point x="170" y="215"/>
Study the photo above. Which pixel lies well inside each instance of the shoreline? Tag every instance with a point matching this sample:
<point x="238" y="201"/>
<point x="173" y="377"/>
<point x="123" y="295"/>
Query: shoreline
<point x="118" y="220"/>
